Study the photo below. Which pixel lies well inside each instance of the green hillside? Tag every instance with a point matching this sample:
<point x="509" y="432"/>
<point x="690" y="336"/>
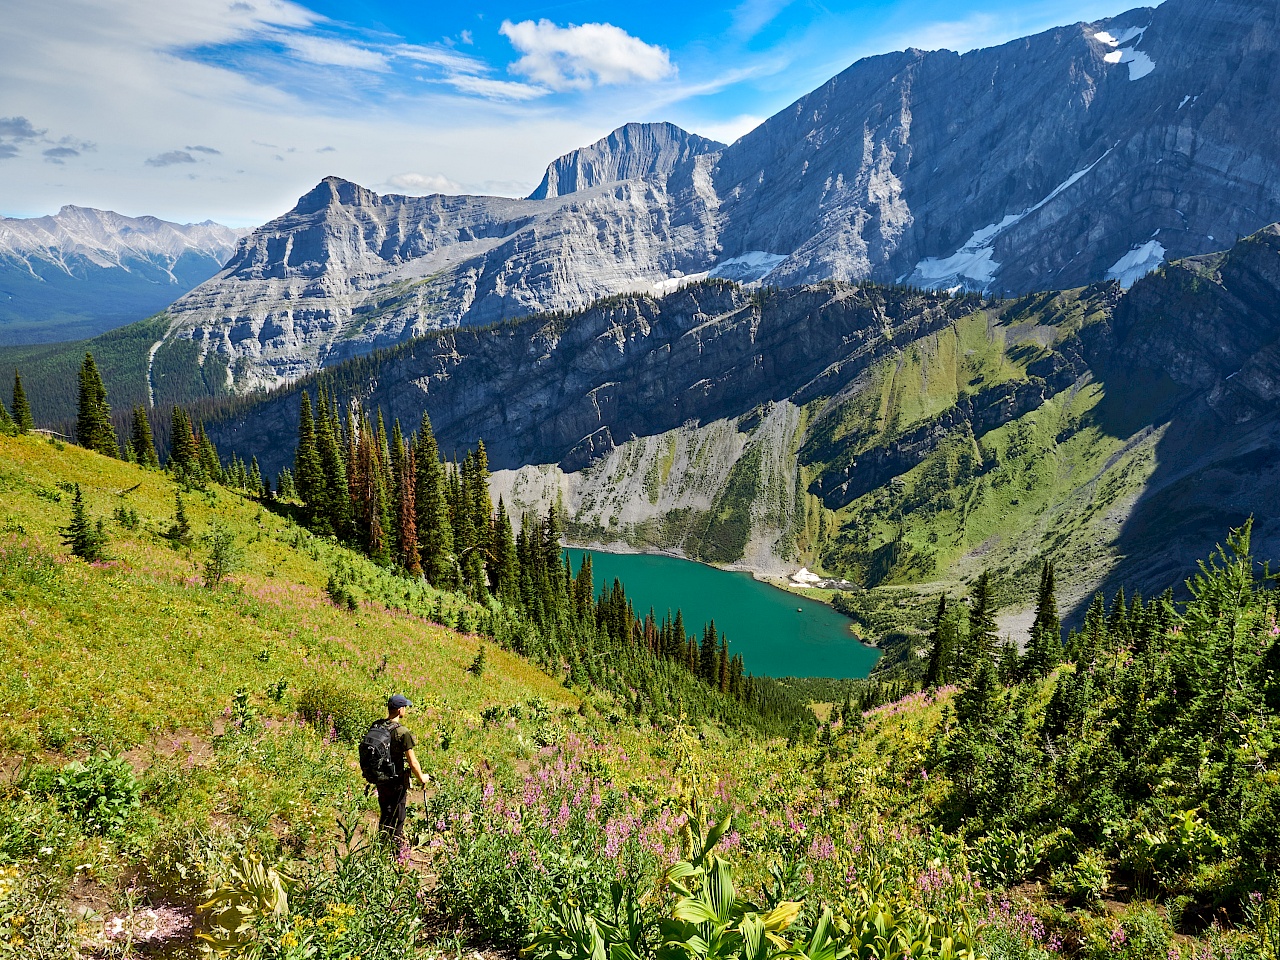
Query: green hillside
<point x="172" y="742"/>
<point x="174" y="374"/>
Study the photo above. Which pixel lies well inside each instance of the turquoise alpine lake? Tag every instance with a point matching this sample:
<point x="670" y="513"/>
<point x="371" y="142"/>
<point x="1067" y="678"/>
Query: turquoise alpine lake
<point x="779" y="634"/>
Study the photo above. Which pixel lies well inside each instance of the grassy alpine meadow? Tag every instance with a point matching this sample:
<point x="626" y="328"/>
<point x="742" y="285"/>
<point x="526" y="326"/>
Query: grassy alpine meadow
<point x="178" y="720"/>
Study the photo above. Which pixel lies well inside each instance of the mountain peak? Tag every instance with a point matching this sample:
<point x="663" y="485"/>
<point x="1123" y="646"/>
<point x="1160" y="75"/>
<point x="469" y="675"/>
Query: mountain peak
<point x="633" y="151"/>
<point x="335" y="190"/>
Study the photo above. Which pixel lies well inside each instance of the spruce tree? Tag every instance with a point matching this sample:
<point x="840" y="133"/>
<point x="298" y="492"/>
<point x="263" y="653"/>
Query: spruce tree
<point x="22" y="419"/>
<point x="86" y="539"/>
<point x="141" y="441"/>
<point x="435" y="533"/>
<point x="7" y="426"/>
<point x="180" y="530"/>
<point x="943" y="640"/>
<point x="506" y="579"/>
<point x="980" y="645"/>
<point x="336" y="497"/>
<point x="308" y="477"/>
<point x="207" y="455"/>
<point x="707" y="668"/>
<point x="184" y="456"/>
<point x="1044" y="650"/>
<point x="94" y="430"/>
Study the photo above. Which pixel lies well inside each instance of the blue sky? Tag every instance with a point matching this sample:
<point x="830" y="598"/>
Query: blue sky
<point x="230" y="109"/>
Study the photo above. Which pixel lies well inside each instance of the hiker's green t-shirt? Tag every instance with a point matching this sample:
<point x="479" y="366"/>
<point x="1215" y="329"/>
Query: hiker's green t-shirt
<point x="402" y="741"/>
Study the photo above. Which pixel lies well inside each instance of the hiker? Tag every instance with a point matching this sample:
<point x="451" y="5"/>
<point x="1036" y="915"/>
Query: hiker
<point x="386" y="760"/>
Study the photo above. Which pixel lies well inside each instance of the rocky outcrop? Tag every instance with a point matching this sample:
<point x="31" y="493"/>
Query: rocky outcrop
<point x="83" y="271"/>
<point x="1089" y="152"/>
<point x="635" y="151"/>
<point x="568" y="389"/>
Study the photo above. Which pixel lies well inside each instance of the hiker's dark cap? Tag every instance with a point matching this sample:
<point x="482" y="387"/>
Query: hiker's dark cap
<point x="398" y="701"/>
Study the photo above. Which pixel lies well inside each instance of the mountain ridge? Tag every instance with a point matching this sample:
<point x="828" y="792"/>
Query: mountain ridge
<point x="1086" y="152"/>
<point x="82" y="270"/>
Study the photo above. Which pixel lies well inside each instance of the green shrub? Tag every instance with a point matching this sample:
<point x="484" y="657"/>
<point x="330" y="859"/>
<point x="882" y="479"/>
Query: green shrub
<point x="101" y="792"/>
<point x="336" y="712"/>
<point x="1084" y="881"/>
<point x="1004" y="858"/>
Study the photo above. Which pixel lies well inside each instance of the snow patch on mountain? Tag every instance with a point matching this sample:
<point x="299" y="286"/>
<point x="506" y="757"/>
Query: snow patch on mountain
<point x="1140" y="65"/>
<point x="1132" y="33"/>
<point x="973" y="266"/>
<point x="751" y="267"/>
<point x="1137" y="263"/>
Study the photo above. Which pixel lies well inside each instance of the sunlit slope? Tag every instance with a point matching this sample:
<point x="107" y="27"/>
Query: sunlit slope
<point x="110" y="654"/>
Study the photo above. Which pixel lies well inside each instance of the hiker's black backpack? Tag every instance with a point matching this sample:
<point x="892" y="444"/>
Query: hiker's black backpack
<point x="376" y="763"/>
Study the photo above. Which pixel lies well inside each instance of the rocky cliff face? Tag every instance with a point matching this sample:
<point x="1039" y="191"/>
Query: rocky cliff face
<point x="83" y="271"/>
<point x="874" y="433"/>
<point x="636" y="151"/>
<point x="1090" y="152"/>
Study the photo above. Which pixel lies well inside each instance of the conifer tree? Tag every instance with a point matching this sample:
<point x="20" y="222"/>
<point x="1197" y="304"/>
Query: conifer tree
<point x="707" y="669"/>
<point x="943" y="640"/>
<point x="207" y="455"/>
<point x="976" y="705"/>
<point x="141" y="441"/>
<point x="180" y="530"/>
<point x="723" y="662"/>
<point x="255" y="480"/>
<point x="94" y="430"/>
<point x="506" y="573"/>
<point x="1044" y="650"/>
<point x="435" y="533"/>
<point x="22" y="419"/>
<point x="7" y="426"/>
<point x="980" y="645"/>
<point x="1009" y="663"/>
<point x="308" y="477"/>
<point x="86" y="539"/>
<point x="184" y="456"/>
<point x="408" y="533"/>
<point x="335" y="499"/>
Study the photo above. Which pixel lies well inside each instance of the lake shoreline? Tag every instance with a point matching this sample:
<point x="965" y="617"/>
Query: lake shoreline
<point x="839" y="629"/>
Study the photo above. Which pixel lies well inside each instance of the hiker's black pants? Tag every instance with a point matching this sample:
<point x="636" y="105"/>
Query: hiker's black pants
<point x="393" y="802"/>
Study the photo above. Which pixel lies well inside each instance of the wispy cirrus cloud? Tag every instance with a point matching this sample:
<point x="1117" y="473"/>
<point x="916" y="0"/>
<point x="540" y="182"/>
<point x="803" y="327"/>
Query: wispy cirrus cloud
<point x="579" y="57"/>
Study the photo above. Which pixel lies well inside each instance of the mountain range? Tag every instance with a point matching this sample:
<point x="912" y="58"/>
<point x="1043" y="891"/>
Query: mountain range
<point x="882" y="434"/>
<point x="1085" y="152"/>
<point x="947" y="312"/>
<point x="83" y="271"/>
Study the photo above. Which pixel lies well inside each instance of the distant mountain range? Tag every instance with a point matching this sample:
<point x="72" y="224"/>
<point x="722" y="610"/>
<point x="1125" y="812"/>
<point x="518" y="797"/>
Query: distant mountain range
<point x="1093" y="151"/>
<point x="84" y="271"/>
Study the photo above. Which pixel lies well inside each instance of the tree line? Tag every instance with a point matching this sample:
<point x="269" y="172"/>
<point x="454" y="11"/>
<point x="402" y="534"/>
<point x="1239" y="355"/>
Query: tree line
<point x="395" y="498"/>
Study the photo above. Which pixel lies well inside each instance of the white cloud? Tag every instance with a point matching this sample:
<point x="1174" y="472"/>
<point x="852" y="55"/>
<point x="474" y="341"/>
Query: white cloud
<point x="327" y="52"/>
<point x="495" y="89"/>
<point x="974" y="31"/>
<point x="752" y="16"/>
<point x="578" y="57"/>
<point x="424" y="183"/>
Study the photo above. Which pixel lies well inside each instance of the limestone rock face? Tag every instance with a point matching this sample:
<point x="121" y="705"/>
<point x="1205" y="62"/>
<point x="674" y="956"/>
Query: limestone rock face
<point x="1089" y="152"/>
<point x="636" y="151"/>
